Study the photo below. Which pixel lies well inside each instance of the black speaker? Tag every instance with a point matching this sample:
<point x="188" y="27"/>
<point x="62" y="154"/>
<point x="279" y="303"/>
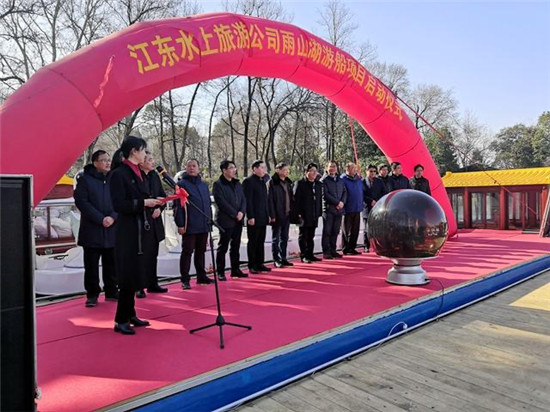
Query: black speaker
<point x="17" y="316"/>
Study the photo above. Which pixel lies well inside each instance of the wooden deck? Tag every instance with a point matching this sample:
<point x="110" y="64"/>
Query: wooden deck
<point x="493" y="356"/>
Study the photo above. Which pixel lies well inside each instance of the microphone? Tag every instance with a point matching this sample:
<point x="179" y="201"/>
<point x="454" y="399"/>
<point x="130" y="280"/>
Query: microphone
<point x="166" y="177"/>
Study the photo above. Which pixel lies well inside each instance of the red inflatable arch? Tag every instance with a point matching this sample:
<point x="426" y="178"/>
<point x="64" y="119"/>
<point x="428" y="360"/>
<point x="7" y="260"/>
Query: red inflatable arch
<point x="49" y="121"/>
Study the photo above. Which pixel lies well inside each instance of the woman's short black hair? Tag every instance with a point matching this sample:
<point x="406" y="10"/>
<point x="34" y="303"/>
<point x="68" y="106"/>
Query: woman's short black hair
<point x="257" y="164"/>
<point x="132" y="142"/>
<point x="96" y="154"/>
<point x="395" y="164"/>
<point x="311" y="166"/>
<point x="417" y="166"/>
<point x="383" y="166"/>
<point x="225" y="164"/>
<point x="372" y="167"/>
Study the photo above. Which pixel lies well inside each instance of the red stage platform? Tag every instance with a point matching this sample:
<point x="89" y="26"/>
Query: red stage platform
<point x="84" y="365"/>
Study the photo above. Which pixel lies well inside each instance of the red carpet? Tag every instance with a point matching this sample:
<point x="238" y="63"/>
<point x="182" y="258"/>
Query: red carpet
<point x="84" y="365"/>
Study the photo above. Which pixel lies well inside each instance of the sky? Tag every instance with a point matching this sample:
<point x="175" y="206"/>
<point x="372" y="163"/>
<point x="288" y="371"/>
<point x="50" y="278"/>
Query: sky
<point x="493" y="55"/>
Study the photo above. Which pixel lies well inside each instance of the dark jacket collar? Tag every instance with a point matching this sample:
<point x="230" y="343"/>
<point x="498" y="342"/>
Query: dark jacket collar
<point x="90" y="170"/>
<point x="233" y="181"/>
<point x="419" y="179"/>
<point x="192" y="179"/>
<point x="277" y="179"/>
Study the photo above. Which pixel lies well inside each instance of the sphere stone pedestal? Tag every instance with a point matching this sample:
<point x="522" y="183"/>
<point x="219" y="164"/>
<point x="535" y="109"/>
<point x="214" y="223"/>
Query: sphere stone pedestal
<point x="407" y="226"/>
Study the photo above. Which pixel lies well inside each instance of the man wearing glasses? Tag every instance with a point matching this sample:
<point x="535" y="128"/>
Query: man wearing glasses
<point x="96" y="234"/>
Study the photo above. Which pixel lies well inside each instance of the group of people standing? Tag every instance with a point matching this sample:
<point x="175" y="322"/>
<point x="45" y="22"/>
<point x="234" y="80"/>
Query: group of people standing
<point x="121" y="219"/>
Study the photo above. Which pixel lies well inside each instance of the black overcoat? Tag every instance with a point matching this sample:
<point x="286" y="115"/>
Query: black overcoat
<point x="308" y="202"/>
<point x="255" y="192"/>
<point x="92" y="197"/>
<point x="229" y="199"/>
<point x="128" y="193"/>
<point x="422" y="184"/>
<point x="156" y="190"/>
<point x="375" y="192"/>
<point x="276" y="199"/>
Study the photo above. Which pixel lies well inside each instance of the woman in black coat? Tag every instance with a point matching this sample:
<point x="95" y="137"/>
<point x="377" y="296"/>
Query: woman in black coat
<point x="154" y="216"/>
<point x="130" y="197"/>
<point x="308" y="197"/>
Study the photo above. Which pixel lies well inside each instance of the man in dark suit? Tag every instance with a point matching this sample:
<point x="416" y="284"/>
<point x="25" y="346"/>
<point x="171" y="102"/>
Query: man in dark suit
<point x="398" y="179"/>
<point x="231" y="209"/>
<point x="419" y="182"/>
<point x="281" y="202"/>
<point x="257" y="211"/>
<point x="97" y="233"/>
<point x="308" y="202"/>
<point x="373" y="189"/>
<point x="334" y="198"/>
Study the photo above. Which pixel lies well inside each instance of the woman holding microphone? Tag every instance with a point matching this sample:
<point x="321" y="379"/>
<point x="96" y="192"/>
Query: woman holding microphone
<point x="130" y="197"/>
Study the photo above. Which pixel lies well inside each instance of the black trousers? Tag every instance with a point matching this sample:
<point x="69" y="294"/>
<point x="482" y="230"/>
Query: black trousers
<point x="255" y="246"/>
<point x="350" y="230"/>
<point x="279" y="240"/>
<point x="231" y="237"/>
<point x="331" y="228"/>
<point x="151" y="264"/>
<point x="125" y="306"/>
<point x="366" y="240"/>
<point x="91" y="271"/>
<point x="195" y="242"/>
<point x="305" y="241"/>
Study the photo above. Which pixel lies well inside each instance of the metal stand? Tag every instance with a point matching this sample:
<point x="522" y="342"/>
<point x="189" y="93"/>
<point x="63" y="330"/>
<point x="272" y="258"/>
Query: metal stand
<point x="407" y="271"/>
<point x="220" y="320"/>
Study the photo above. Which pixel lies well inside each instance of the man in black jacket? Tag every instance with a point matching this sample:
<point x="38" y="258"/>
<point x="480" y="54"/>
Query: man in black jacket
<point x="419" y="182"/>
<point x="231" y="209"/>
<point x="257" y="212"/>
<point x="308" y="205"/>
<point x="373" y="189"/>
<point x="281" y="201"/>
<point x="383" y="175"/>
<point x="398" y="179"/>
<point x="335" y="197"/>
<point x="96" y="233"/>
<point x="156" y="226"/>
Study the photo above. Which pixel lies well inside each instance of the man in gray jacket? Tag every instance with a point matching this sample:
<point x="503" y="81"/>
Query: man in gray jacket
<point x="334" y="199"/>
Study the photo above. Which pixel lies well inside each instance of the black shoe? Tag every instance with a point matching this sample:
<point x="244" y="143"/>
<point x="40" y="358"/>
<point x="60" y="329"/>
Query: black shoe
<point x="336" y="255"/>
<point x="91" y="302"/>
<point x="186" y="286"/>
<point x="238" y="274"/>
<point x="356" y="252"/>
<point x="222" y="278"/>
<point x="157" y="289"/>
<point x="279" y="264"/>
<point x="306" y="260"/>
<point x="349" y="252"/>
<point x="327" y="256"/>
<point x="204" y="281"/>
<point x="264" y="269"/>
<point x="254" y="271"/>
<point x="112" y="297"/>
<point x="141" y="294"/>
<point x="315" y="259"/>
<point x="134" y="320"/>
<point x="287" y="263"/>
<point x="124" y="328"/>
